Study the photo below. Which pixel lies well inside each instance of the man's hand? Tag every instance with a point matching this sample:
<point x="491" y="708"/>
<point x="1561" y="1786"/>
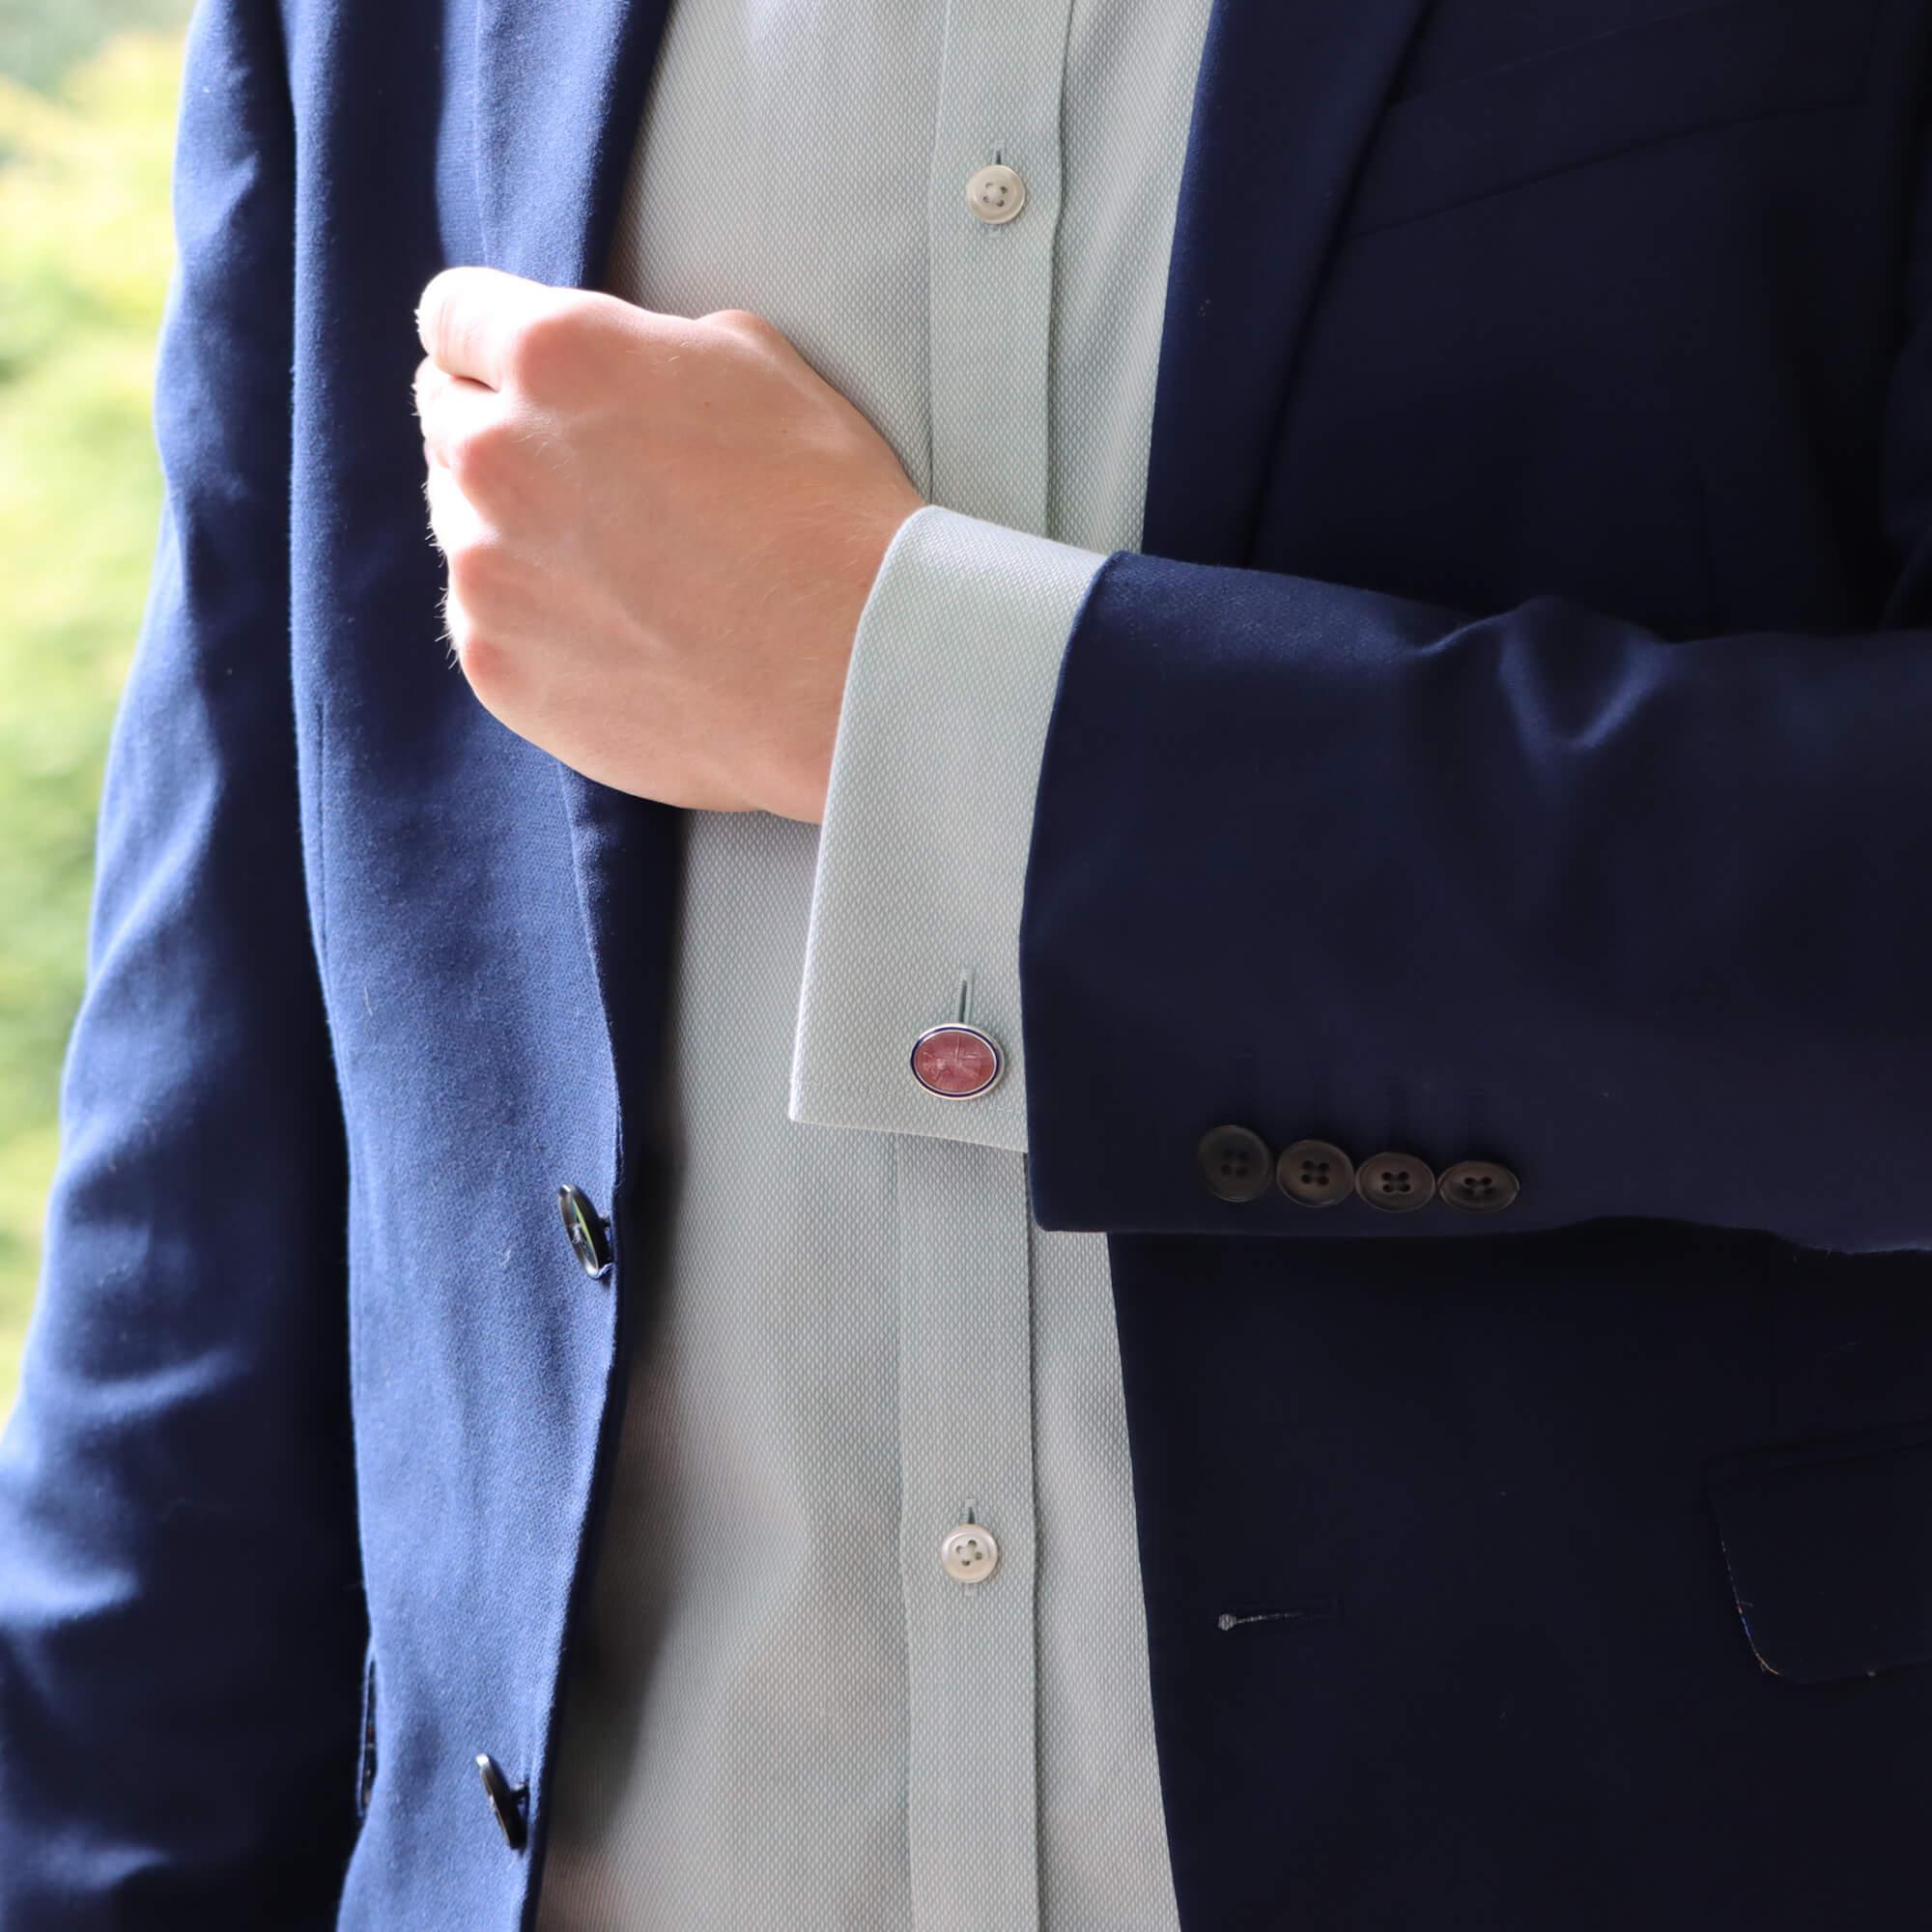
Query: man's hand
<point x="660" y="536"/>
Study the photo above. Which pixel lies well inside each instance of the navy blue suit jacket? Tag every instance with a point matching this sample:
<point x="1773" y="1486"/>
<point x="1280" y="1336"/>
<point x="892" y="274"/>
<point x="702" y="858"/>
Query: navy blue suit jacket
<point x="1513" y="739"/>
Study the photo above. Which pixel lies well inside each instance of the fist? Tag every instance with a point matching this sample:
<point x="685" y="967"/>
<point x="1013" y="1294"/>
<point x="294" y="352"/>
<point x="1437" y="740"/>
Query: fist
<point x="659" y="533"/>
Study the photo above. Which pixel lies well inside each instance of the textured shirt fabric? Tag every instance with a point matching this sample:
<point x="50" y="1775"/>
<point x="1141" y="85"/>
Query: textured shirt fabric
<point x="782" y="1711"/>
<point x="928" y="813"/>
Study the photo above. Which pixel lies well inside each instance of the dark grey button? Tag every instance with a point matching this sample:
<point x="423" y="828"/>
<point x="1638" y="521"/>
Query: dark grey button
<point x="506" y="1800"/>
<point x="1317" y="1174"/>
<point x="589" y="1233"/>
<point x="1398" y="1183"/>
<point x="1235" y="1162"/>
<point x="1479" y="1186"/>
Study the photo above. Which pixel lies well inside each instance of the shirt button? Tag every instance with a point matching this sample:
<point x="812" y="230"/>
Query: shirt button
<point x="969" y="1553"/>
<point x="955" y="1060"/>
<point x="995" y="194"/>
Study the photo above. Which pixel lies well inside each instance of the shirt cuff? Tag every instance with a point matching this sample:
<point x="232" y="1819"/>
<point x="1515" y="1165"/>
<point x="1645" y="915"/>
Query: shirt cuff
<point x="928" y="817"/>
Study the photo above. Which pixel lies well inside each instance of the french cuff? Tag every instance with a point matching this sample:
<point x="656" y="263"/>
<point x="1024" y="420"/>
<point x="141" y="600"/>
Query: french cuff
<point x="928" y="814"/>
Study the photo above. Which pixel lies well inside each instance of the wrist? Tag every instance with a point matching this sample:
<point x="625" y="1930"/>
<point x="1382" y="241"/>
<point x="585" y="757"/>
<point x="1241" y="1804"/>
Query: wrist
<point x="801" y="793"/>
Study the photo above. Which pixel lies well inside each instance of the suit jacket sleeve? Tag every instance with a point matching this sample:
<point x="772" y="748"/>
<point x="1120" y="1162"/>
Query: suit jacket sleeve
<point x="1644" y="917"/>
<point x="180" y="1619"/>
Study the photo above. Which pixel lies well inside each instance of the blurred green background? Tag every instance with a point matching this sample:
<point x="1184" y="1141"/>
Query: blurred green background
<point x="87" y="107"/>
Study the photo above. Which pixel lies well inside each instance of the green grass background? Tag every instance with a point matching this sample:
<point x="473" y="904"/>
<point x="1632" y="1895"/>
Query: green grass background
<point x="87" y="104"/>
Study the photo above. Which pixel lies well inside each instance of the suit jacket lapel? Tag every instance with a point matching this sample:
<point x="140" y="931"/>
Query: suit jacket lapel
<point x="1288" y="93"/>
<point x="560" y="95"/>
<point x="560" y="98"/>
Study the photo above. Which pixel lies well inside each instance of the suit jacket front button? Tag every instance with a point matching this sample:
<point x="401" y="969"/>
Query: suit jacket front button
<point x="1235" y="1162"/>
<point x="1479" y="1186"/>
<point x="1398" y="1183"/>
<point x="506" y="1800"/>
<point x="588" y="1232"/>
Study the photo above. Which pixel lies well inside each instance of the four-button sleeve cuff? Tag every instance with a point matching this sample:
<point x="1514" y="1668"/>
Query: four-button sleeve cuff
<point x="928" y="815"/>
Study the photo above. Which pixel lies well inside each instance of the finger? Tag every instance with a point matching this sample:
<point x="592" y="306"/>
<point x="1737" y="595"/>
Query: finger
<point x="468" y="318"/>
<point x="426" y="390"/>
<point x="454" y="520"/>
<point x="450" y="409"/>
<point x="427" y="383"/>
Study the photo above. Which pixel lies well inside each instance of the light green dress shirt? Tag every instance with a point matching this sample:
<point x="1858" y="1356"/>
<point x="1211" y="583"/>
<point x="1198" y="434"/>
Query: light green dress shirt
<point x="784" y="1710"/>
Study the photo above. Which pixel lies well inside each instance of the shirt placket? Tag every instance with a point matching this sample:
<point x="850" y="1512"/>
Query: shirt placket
<point x="966" y="1367"/>
<point x="992" y="279"/>
<point x="967" y="1475"/>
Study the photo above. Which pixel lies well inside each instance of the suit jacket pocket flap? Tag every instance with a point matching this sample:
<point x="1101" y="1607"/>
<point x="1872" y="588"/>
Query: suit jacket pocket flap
<point x="1829" y="1544"/>
<point x="1599" y="97"/>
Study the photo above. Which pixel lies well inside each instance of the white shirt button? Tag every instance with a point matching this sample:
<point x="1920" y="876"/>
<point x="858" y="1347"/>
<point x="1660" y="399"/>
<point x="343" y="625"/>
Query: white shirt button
<point x="995" y="194"/>
<point x="969" y="1553"/>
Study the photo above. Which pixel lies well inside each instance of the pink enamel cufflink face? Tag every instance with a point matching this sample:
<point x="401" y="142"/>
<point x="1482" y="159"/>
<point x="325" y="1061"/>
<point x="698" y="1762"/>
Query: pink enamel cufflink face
<point x="957" y="1062"/>
<point x="954" y="1060"/>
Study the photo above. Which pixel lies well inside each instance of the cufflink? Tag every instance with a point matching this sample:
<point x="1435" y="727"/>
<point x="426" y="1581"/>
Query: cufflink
<point x="954" y="1060"/>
